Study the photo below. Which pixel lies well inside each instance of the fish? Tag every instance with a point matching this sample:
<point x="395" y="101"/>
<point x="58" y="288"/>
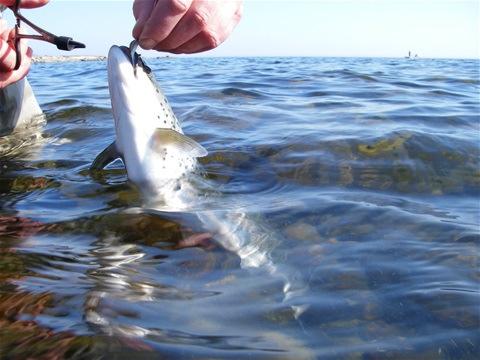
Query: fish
<point x="161" y="161"/>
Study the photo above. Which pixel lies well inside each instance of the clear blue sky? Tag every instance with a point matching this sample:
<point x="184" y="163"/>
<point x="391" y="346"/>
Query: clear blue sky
<point x="431" y="28"/>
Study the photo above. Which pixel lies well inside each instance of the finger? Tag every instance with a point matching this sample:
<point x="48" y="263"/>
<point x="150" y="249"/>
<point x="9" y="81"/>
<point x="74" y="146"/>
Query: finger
<point x="204" y="41"/>
<point x="14" y="76"/>
<point x="201" y="42"/>
<point x="7" y="56"/>
<point x="3" y="25"/>
<point x="4" y="30"/>
<point x="190" y="25"/>
<point x="216" y="32"/>
<point x="141" y="11"/>
<point x="162" y="21"/>
<point x="27" y="4"/>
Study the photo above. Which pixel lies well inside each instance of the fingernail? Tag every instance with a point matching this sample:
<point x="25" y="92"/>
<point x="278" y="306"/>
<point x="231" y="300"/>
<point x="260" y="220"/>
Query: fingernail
<point x="147" y="44"/>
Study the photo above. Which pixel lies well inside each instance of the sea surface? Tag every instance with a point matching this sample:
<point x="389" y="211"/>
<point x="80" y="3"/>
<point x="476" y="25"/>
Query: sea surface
<point x="364" y="171"/>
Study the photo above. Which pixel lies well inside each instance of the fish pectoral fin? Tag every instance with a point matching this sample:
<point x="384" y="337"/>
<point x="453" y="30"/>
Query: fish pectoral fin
<point x="107" y="156"/>
<point x="173" y="139"/>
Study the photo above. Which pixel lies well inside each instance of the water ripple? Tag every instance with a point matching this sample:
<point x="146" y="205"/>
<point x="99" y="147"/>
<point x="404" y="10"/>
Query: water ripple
<point x="363" y="171"/>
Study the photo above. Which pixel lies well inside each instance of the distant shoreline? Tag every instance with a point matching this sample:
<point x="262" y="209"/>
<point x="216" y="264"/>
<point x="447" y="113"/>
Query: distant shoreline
<point x="71" y="58"/>
<point x="86" y="58"/>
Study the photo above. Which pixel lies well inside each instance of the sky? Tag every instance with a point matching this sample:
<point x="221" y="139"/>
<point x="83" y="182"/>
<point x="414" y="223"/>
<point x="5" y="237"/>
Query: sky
<point x="377" y="28"/>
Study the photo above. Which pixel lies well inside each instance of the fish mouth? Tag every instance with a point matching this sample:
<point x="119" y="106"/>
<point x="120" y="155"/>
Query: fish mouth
<point x="133" y="57"/>
<point x="120" y="66"/>
<point x="126" y="52"/>
<point x="126" y="81"/>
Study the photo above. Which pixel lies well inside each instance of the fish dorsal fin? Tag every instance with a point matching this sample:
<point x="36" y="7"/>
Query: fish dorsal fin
<point x="170" y="138"/>
<point x="107" y="156"/>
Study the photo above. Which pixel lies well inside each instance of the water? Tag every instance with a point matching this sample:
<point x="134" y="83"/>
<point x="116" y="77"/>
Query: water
<point x="364" y="170"/>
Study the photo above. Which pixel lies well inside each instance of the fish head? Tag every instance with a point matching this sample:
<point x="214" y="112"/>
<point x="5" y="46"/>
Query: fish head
<point x="135" y="97"/>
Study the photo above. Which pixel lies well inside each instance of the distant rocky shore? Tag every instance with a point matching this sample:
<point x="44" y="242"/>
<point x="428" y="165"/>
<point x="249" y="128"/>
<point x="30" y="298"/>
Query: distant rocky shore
<point x="48" y="59"/>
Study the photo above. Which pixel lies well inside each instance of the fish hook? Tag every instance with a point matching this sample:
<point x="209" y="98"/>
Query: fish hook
<point x="136" y="59"/>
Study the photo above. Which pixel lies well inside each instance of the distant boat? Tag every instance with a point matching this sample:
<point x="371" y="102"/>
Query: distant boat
<point x="409" y="56"/>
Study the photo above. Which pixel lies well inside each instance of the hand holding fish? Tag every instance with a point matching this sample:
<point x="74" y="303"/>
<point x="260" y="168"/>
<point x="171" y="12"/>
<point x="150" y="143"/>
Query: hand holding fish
<point x="7" y="52"/>
<point x="184" y="26"/>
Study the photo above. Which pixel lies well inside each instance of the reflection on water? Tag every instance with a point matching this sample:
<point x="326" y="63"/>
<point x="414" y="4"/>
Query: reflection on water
<point x="363" y="172"/>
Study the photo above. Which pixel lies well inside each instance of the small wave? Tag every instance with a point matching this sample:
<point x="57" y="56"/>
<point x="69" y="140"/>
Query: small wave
<point x="367" y="94"/>
<point x="335" y="104"/>
<point x="428" y="116"/>
<point x="445" y="93"/>
<point x="450" y="80"/>
<point x="62" y="102"/>
<point x="317" y="93"/>
<point x="92" y="71"/>
<point x="406" y="162"/>
<point x="242" y="85"/>
<point x="206" y="76"/>
<point x="237" y="92"/>
<point x="409" y="84"/>
<point x="349" y="74"/>
<point x="76" y="112"/>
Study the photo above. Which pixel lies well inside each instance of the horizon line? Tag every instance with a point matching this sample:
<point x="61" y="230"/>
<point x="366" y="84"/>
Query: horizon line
<point x="185" y="56"/>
